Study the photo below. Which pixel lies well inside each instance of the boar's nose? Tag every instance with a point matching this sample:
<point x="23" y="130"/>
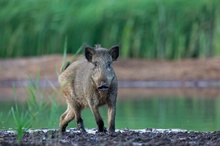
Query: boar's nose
<point x="103" y="86"/>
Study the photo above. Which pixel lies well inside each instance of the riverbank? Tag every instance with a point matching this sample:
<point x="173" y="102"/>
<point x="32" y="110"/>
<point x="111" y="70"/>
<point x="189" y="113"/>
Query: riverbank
<point x="47" y="69"/>
<point x="121" y="137"/>
<point x="126" y="69"/>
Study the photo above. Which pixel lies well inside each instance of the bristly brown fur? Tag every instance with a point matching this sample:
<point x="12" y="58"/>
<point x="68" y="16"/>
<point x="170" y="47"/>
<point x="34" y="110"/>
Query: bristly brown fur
<point x="90" y="82"/>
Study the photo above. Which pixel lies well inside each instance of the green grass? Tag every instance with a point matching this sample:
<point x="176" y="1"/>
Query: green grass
<point x="171" y="29"/>
<point x="22" y="120"/>
<point x="31" y="113"/>
<point x="24" y="116"/>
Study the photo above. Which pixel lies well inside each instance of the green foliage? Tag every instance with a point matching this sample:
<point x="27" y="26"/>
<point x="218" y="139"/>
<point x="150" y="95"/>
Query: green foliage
<point x="22" y="121"/>
<point x="171" y="29"/>
<point x="31" y="113"/>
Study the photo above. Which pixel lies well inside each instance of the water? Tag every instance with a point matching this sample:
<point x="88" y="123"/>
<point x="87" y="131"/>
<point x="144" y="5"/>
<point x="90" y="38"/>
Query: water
<point x="191" y="113"/>
<point x="171" y="112"/>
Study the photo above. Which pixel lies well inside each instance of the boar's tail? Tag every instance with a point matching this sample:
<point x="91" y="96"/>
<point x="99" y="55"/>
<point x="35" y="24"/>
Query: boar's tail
<point x="64" y="66"/>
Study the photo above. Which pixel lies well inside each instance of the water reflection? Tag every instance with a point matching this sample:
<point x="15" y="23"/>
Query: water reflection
<point x="170" y="112"/>
<point x="197" y="113"/>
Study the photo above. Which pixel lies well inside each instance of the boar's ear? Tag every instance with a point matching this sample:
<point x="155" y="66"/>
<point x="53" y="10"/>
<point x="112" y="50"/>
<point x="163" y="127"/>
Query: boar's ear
<point x="89" y="52"/>
<point x="114" y="51"/>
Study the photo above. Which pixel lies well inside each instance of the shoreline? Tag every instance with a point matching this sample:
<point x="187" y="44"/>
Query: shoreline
<point x="146" y="136"/>
<point x="186" y="77"/>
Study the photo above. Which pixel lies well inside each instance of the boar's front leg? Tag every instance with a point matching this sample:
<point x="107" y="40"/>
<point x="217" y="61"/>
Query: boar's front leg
<point x="98" y="118"/>
<point x="77" y="108"/>
<point x="111" y="115"/>
<point x="79" y="121"/>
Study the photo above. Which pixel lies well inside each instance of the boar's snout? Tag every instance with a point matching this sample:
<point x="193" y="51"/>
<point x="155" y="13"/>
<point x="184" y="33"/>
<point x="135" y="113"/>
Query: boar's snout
<point x="103" y="86"/>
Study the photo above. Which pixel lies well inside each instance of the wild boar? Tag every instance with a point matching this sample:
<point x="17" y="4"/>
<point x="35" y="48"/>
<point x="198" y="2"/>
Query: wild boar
<point x="90" y="82"/>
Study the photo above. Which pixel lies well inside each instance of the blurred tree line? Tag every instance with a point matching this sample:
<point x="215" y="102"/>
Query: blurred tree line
<point x="153" y="29"/>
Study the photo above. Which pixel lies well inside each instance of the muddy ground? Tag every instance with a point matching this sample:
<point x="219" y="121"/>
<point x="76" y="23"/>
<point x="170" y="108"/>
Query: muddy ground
<point x="121" y="137"/>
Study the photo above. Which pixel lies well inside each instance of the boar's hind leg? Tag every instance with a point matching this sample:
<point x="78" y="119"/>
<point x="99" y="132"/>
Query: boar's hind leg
<point x="65" y="118"/>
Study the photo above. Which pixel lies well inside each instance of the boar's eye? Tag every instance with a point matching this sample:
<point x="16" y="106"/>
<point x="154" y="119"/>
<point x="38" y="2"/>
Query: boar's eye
<point x="95" y="64"/>
<point x="109" y="64"/>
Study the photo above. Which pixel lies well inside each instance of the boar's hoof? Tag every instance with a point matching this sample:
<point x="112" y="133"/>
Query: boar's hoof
<point x="83" y="131"/>
<point x="63" y="128"/>
<point x="61" y="131"/>
<point x="104" y="131"/>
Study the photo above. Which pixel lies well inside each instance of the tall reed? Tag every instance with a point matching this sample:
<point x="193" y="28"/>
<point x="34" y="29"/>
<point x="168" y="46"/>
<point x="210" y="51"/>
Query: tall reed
<point x="171" y="29"/>
<point x="37" y="111"/>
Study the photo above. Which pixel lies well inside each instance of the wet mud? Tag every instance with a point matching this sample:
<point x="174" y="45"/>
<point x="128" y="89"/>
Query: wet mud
<point x="121" y="137"/>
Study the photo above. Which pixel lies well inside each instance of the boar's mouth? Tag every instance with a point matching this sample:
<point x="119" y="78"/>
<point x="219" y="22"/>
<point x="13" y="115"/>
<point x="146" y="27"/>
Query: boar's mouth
<point x="103" y="88"/>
